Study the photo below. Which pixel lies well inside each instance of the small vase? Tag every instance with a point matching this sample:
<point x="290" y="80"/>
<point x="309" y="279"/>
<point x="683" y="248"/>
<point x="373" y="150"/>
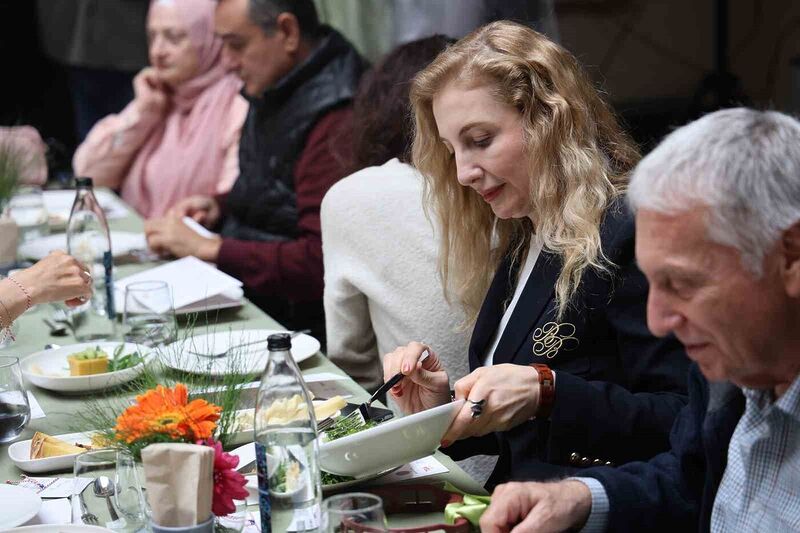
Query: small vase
<point x="9" y="236"/>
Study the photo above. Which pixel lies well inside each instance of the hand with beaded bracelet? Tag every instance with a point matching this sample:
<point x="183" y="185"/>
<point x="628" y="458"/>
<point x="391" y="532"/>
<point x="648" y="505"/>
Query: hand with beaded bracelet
<point x="57" y="277"/>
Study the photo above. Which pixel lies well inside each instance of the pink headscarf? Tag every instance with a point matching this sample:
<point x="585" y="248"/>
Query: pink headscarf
<point x="183" y="154"/>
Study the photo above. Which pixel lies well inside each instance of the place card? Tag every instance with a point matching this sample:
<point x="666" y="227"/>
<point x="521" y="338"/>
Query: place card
<point x="427" y="466"/>
<point x="52" y="487"/>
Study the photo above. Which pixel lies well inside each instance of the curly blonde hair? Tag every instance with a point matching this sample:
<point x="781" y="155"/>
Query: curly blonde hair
<point x="579" y="159"/>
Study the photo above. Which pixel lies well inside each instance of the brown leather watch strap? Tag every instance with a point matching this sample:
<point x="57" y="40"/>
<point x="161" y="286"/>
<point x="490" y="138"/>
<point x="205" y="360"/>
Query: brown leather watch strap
<point x="547" y="390"/>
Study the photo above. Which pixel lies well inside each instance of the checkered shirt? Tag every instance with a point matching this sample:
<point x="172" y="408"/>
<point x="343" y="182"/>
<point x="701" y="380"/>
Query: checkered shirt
<point x="760" y="490"/>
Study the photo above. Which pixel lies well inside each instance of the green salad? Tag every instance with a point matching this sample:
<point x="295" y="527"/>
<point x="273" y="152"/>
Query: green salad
<point x="348" y="426"/>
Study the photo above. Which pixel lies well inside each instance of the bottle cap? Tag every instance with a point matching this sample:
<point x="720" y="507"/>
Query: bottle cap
<point x="84" y="182"/>
<point x="279" y="341"/>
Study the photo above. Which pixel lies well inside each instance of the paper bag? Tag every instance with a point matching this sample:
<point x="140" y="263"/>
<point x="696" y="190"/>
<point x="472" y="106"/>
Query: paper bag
<point x="180" y="483"/>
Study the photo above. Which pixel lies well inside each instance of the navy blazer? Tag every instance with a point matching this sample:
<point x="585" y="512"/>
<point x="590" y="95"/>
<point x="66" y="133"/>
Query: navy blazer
<point x="618" y="388"/>
<point x="675" y="491"/>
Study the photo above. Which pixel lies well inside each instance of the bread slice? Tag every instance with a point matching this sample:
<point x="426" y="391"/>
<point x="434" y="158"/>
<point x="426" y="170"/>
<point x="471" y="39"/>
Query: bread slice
<point x="43" y="445"/>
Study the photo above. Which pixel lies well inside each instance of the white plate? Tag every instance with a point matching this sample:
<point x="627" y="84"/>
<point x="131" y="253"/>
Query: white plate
<point x="122" y="243"/>
<point x="59" y="204"/>
<point x="244" y="360"/>
<point x="20" y="453"/>
<point x="55" y="528"/>
<point x="49" y="369"/>
<point x="392" y="443"/>
<point x="19" y="505"/>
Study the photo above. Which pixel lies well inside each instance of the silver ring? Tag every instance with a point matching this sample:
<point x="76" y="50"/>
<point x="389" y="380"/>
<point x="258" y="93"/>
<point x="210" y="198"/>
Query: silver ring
<point x="82" y="298"/>
<point x="477" y="407"/>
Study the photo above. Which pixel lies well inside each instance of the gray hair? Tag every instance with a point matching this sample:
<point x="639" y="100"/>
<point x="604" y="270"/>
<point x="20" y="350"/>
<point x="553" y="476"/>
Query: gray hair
<point x="744" y="165"/>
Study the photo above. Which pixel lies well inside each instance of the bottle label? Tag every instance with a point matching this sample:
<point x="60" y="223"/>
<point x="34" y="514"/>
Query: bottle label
<point x="108" y="266"/>
<point x="264" y="505"/>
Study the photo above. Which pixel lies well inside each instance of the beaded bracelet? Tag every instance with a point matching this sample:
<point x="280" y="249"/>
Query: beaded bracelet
<point x="29" y="302"/>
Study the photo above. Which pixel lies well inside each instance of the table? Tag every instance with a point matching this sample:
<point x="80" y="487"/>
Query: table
<point x="34" y="334"/>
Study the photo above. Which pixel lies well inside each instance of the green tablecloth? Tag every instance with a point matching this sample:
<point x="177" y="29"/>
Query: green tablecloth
<point x="34" y="334"/>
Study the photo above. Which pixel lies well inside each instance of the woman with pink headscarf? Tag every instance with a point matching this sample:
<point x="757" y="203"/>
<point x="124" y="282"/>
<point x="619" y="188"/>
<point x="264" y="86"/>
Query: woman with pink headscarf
<point x="180" y="135"/>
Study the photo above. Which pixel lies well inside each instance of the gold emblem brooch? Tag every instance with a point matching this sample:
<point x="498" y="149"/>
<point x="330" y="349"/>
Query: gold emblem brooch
<point x="553" y="337"/>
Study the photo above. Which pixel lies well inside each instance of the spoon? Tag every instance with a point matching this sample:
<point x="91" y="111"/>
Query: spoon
<point x="104" y="488"/>
<point x="56" y="330"/>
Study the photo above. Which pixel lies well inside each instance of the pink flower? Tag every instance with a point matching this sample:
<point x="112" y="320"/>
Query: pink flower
<point x="228" y="483"/>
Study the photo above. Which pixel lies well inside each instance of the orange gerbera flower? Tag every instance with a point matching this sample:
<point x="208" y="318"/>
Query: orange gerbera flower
<point x="168" y="412"/>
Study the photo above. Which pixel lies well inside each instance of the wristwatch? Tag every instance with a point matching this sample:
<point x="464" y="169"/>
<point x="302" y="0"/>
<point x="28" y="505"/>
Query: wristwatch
<point x="547" y="390"/>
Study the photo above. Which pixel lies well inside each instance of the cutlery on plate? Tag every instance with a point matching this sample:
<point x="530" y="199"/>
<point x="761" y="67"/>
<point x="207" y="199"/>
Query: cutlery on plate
<point x="362" y="413"/>
<point x="227" y="351"/>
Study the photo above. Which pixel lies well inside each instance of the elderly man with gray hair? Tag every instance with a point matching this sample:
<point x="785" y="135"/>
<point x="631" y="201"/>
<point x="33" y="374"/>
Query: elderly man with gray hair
<point x="718" y="236"/>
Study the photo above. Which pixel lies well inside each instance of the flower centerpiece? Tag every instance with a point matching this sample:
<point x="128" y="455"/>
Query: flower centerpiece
<point x="165" y="414"/>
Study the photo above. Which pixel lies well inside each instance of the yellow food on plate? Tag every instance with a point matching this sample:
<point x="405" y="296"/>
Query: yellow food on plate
<point x="287" y="410"/>
<point x="88" y="362"/>
<point x="329" y="407"/>
<point x="43" y="445"/>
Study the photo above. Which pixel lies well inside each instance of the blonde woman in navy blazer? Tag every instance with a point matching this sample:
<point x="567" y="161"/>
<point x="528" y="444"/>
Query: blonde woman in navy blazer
<point x="526" y="169"/>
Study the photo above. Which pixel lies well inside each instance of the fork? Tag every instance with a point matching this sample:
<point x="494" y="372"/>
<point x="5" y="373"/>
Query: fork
<point x="86" y="517"/>
<point x="362" y="411"/>
<point x="242" y="345"/>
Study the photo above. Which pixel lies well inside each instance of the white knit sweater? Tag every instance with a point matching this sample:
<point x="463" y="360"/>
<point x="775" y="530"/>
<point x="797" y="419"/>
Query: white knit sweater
<point x="382" y="288"/>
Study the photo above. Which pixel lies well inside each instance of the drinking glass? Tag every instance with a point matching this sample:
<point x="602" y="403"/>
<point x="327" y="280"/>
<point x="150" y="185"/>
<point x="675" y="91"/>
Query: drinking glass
<point x="29" y="212"/>
<point x="149" y="316"/>
<point x="107" y="491"/>
<point x="14" y="409"/>
<point x="355" y="511"/>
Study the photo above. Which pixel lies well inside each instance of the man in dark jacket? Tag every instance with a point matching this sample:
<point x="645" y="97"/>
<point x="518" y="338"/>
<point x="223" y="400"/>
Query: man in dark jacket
<point x="299" y="78"/>
<point x="718" y="237"/>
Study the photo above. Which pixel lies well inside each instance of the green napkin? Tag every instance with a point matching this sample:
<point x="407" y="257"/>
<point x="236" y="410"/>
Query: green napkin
<point x="471" y="508"/>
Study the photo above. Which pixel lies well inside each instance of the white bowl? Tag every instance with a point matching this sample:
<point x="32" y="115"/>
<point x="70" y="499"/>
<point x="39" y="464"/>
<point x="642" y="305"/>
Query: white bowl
<point x="20" y="453"/>
<point x="49" y="369"/>
<point x="392" y="443"/>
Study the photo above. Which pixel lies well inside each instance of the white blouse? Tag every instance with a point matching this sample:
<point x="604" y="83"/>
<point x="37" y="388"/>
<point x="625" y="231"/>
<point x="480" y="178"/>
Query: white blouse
<point x="525" y="273"/>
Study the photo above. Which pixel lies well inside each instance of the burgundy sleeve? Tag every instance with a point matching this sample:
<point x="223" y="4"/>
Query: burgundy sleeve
<point x="292" y="270"/>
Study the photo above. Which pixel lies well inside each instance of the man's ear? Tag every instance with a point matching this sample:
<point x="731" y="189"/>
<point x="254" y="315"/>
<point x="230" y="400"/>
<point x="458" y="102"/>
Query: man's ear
<point x="289" y="28"/>
<point x="790" y="246"/>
